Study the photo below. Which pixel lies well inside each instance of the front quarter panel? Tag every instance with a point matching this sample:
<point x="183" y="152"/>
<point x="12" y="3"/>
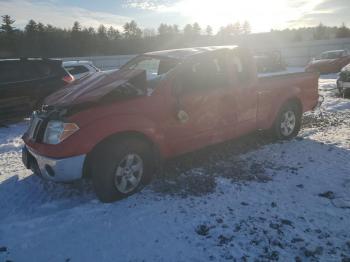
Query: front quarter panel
<point x="92" y="134"/>
<point x="84" y="140"/>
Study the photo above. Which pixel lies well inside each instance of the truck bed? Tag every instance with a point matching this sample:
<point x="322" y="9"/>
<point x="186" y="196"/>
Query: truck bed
<point x="276" y="89"/>
<point x="289" y="70"/>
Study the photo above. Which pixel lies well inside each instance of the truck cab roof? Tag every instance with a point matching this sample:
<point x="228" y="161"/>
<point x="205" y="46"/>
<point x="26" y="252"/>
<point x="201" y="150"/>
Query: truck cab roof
<point x="184" y="53"/>
<point x="76" y="62"/>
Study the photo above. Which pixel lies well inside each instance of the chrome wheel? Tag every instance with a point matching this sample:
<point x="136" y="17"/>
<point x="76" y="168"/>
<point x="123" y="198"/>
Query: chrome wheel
<point x="128" y="173"/>
<point x="288" y="123"/>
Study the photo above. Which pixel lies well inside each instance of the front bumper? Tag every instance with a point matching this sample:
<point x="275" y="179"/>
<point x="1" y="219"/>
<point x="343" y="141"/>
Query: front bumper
<point x="58" y="170"/>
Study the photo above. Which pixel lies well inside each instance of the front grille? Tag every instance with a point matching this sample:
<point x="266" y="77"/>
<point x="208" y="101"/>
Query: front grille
<point x="39" y="121"/>
<point x="35" y="128"/>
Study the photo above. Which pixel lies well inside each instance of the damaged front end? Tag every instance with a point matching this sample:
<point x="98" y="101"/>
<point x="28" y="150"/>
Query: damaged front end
<point x="49" y="126"/>
<point x="97" y="89"/>
<point x="100" y="87"/>
<point x="52" y="124"/>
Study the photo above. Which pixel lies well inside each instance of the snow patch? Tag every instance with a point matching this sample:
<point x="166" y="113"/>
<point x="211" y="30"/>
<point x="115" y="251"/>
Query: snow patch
<point x="299" y="214"/>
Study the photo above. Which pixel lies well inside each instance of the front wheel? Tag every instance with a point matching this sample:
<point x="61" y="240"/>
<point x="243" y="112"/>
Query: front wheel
<point x="121" y="168"/>
<point x="288" y="122"/>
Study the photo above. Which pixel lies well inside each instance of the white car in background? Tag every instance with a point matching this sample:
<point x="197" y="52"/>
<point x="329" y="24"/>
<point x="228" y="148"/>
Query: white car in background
<point x="343" y="81"/>
<point x="80" y="69"/>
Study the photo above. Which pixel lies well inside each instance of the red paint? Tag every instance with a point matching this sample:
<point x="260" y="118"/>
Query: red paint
<point x="215" y="115"/>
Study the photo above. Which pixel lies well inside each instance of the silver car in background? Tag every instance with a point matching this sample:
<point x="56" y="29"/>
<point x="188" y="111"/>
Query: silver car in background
<point x="80" y="69"/>
<point x="343" y="82"/>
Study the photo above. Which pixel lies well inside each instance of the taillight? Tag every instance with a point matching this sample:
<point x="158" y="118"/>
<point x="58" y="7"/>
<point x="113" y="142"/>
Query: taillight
<point x="68" y="79"/>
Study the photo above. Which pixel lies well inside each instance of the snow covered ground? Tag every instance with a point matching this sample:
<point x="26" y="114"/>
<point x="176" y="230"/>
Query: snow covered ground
<point x="247" y="200"/>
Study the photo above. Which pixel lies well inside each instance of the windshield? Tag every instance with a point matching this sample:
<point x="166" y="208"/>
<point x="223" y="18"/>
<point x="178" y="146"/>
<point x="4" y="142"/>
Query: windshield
<point x="154" y="67"/>
<point x="332" y="55"/>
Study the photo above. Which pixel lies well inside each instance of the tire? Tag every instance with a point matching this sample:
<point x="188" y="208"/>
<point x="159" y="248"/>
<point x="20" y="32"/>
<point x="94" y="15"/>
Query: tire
<point x="120" y="168"/>
<point x="288" y="122"/>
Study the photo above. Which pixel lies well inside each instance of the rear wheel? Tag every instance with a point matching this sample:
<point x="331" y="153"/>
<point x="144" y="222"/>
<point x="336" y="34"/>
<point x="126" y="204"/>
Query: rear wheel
<point x="288" y="122"/>
<point x="121" y="168"/>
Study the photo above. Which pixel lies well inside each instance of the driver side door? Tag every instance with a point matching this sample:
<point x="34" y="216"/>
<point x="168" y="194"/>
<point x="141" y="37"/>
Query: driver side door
<point x="203" y="87"/>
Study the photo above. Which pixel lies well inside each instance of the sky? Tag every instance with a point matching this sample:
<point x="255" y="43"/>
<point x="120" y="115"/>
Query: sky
<point x="263" y="15"/>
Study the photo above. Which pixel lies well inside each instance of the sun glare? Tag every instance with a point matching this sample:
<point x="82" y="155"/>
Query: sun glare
<point x="262" y="15"/>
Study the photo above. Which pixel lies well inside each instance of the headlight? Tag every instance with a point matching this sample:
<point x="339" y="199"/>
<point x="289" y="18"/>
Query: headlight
<point x="57" y="131"/>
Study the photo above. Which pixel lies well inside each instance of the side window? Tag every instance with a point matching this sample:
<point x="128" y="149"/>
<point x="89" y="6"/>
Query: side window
<point x="154" y="67"/>
<point x="10" y="72"/>
<point x="75" y="70"/>
<point x="166" y="65"/>
<point x="205" y="73"/>
<point x="43" y="70"/>
<point x="150" y="65"/>
<point x="36" y="69"/>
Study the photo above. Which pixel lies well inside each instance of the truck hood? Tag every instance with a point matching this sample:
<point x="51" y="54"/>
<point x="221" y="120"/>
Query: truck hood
<point x="94" y="87"/>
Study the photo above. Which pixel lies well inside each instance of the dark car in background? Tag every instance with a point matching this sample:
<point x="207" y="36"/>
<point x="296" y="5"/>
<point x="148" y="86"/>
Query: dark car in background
<point x="329" y="62"/>
<point x="343" y="82"/>
<point x="24" y="83"/>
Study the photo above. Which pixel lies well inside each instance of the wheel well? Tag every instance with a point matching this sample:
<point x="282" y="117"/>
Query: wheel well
<point x="114" y="139"/>
<point x="296" y="101"/>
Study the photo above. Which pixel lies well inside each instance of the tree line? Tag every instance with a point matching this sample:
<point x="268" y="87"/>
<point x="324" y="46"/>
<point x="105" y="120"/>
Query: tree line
<point x="320" y="32"/>
<point x="39" y="40"/>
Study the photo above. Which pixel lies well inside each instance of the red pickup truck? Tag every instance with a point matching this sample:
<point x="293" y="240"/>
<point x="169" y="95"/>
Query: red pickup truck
<point x="117" y="126"/>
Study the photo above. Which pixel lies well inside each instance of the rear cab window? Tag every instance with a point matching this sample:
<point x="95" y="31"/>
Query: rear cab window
<point x="205" y="72"/>
<point x="36" y="69"/>
<point x="240" y="67"/>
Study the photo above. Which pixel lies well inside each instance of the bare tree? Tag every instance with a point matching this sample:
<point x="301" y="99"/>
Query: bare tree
<point x="132" y="31"/>
<point x="209" y="30"/>
<point x="113" y="34"/>
<point x="320" y="32"/>
<point x="148" y="33"/>
<point x="196" y="29"/>
<point x="31" y="27"/>
<point x="343" y="32"/>
<point x="7" y="24"/>
<point x="246" y="28"/>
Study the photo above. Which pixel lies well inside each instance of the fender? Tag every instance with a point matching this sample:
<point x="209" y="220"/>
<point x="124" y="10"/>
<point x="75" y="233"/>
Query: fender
<point x="114" y="125"/>
<point x="83" y="141"/>
<point x="267" y="118"/>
